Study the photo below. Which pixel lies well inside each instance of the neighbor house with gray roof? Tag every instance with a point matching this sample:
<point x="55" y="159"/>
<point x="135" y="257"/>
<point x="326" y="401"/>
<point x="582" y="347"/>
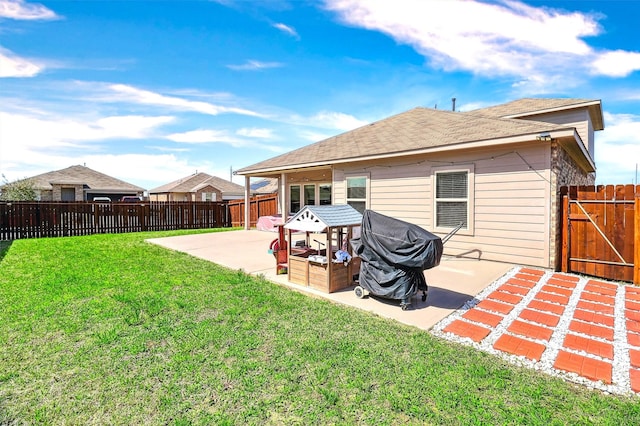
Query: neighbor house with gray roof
<point x="197" y="187"/>
<point x="496" y="170"/>
<point x="80" y="183"/>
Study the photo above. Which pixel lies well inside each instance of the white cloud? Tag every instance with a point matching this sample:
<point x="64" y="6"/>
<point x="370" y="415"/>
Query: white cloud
<point x="334" y="120"/>
<point x="255" y="133"/>
<point x="206" y="136"/>
<point x="253" y="65"/>
<point x="314" y="136"/>
<point x="209" y="136"/>
<point x="146" y="97"/>
<point x="507" y="38"/>
<point x="12" y="65"/>
<point x="286" y="29"/>
<point x="618" y="149"/>
<point x="24" y="137"/>
<point x="618" y="63"/>
<point x="21" y="10"/>
<point x="30" y="145"/>
<point x="145" y="170"/>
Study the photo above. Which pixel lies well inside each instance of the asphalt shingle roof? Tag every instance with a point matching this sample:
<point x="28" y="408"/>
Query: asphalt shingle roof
<point x="416" y="129"/>
<point x="194" y="182"/>
<point x="532" y="106"/>
<point x="82" y="175"/>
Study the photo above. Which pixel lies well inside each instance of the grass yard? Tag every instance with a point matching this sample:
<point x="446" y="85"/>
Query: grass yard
<point x="108" y="329"/>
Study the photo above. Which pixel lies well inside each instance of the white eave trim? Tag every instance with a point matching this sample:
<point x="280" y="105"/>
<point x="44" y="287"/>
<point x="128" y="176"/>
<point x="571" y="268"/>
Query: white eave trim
<point x="586" y="154"/>
<point x="554" y="109"/>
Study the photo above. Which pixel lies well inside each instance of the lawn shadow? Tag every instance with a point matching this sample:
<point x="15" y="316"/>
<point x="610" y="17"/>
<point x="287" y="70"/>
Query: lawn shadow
<point x="4" y="248"/>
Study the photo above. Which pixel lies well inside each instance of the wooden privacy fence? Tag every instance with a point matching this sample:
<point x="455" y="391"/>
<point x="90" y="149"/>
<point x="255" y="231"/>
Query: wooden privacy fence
<point x="55" y="219"/>
<point x="601" y="231"/>
<point x="261" y="205"/>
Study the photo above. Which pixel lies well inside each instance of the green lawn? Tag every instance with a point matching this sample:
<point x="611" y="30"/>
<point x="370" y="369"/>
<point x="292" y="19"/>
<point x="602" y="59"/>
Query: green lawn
<point x="108" y="329"/>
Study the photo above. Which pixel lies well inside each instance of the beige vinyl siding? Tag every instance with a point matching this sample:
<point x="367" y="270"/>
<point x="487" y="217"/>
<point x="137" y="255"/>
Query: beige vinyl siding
<point x="511" y="202"/>
<point x="511" y="209"/>
<point x="578" y="118"/>
<point x="399" y="188"/>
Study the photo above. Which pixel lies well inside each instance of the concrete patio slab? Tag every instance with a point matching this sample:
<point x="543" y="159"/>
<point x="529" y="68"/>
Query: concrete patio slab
<point x="451" y="284"/>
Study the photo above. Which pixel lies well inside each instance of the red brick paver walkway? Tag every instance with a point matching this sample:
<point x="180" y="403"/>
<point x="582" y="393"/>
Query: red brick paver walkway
<point x="584" y="329"/>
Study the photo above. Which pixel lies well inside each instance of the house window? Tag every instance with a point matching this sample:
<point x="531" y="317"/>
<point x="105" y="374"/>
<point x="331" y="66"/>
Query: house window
<point x="357" y="192"/>
<point x="453" y="198"/>
<point x="208" y="196"/>
<point x="310" y="194"/>
<point x="68" y="194"/>
<point x="294" y="198"/>
<point x="324" y="193"/>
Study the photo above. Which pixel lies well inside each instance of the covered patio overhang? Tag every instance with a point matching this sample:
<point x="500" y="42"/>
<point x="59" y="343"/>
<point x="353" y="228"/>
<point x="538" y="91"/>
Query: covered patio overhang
<point x="285" y="175"/>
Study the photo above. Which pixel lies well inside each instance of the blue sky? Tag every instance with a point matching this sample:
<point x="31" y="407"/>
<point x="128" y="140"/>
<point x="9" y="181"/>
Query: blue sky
<point x="152" y="91"/>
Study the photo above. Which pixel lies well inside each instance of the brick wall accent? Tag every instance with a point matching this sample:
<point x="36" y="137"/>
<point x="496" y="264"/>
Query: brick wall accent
<point x="564" y="172"/>
<point x="56" y="193"/>
<point x="208" y="188"/>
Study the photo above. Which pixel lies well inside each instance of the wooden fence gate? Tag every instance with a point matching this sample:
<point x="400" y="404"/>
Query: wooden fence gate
<point x="601" y="231"/>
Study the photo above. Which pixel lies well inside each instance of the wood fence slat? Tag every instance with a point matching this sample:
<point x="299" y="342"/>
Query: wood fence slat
<point x="261" y="205"/>
<point x="636" y="239"/>
<point x="565" y="234"/>
<point x="608" y="227"/>
<point x="627" y="239"/>
<point x="590" y="238"/>
<point x="600" y="231"/>
<point x="618" y="231"/>
<point x="600" y="243"/>
<point x="54" y="219"/>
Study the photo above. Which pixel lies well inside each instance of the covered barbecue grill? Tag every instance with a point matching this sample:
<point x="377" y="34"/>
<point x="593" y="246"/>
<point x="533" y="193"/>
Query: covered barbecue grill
<point x="393" y="256"/>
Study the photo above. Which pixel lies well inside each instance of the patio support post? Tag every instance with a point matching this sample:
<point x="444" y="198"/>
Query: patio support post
<point x="247" y="202"/>
<point x="283" y="197"/>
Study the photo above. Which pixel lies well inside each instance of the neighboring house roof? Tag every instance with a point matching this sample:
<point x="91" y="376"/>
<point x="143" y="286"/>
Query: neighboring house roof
<point x="414" y="131"/>
<point x="265" y="186"/>
<point x="318" y="218"/>
<point x="198" y="181"/>
<point x="81" y="175"/>
<point x="535" y="106"/>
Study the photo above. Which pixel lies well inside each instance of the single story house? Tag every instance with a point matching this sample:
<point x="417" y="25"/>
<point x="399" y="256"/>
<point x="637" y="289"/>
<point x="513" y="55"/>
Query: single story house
<point x="496" y="170"/>
<point x="197" y="187"/>
<point x="80" y="183"/>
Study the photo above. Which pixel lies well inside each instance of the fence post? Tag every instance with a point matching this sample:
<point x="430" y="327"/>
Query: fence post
<point x="636" y="242"/>
<point x="565" y="234"/>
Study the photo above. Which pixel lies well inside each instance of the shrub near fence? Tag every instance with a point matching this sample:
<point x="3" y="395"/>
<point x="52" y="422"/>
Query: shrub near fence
<point x="56" y="219"/>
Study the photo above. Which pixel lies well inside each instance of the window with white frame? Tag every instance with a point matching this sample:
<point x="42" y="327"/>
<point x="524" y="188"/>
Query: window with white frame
<point x="208" y="196"/>
<point x="453" y="198"/>
<point x="357" y="192"/>
<point x="308" y="194"/>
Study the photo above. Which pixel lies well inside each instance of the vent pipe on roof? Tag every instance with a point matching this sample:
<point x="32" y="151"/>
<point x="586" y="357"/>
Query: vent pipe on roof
<point x="453" y="104"/>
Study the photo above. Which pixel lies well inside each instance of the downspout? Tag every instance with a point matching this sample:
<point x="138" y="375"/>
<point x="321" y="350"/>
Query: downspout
<point x="247" y="202"/>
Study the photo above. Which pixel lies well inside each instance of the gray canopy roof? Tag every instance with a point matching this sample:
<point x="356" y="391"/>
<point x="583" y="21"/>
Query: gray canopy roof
<point x="319" y="218"/>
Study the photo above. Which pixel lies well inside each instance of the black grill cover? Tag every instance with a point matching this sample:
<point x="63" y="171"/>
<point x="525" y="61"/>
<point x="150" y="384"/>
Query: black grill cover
<point x="394" y="255"/>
